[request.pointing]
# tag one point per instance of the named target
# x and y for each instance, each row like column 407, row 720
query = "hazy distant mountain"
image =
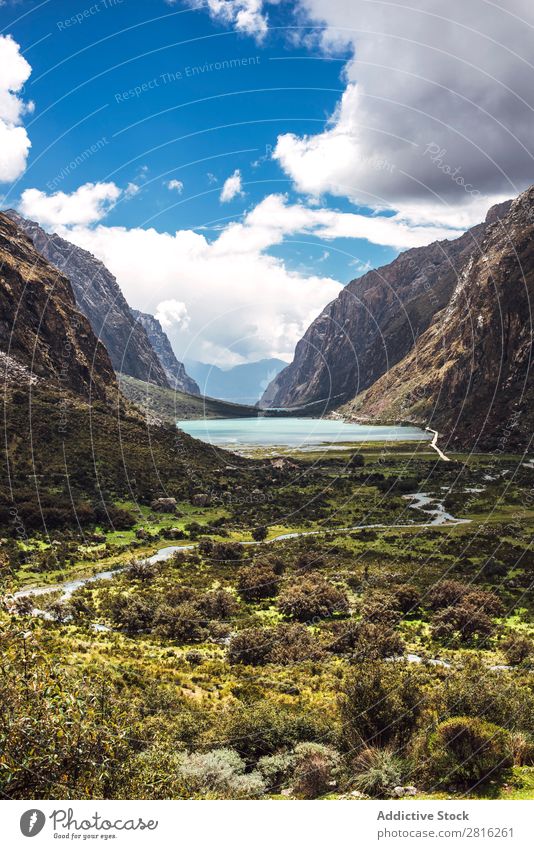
column 243, row 384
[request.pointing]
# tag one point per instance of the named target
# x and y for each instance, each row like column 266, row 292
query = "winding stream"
column 420, row 501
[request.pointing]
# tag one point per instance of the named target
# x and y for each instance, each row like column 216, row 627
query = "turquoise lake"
column 294, row 432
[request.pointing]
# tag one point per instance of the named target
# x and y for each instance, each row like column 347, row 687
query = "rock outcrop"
column 100, row 299
column 41, row 327
column 175, row 372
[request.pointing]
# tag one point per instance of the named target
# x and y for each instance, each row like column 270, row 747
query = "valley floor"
column 334, row 632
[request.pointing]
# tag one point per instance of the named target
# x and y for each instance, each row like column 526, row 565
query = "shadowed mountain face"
column 243, row 384
column 373, row 323
column 441, row 336
column 43, row 335
column 174, row 370
column 73, row 446
column 470, row 373
column 99, row 297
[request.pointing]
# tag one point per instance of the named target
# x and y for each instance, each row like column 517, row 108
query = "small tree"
column 259, row 533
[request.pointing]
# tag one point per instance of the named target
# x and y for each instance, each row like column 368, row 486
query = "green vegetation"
column 393, row 659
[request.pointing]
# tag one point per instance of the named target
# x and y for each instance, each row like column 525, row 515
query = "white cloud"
column 173, row 315
column 175, row 186
column 87, row 205
column 232, row 187
column 131, row 190
column 248, row 16
column 437, row 117
column 14, row 141
column 227, row 300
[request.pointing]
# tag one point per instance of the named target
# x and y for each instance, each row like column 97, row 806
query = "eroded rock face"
column 470, row 374
column 374, row 323
column 41, row 326
column 100, row 299
column 174, row 370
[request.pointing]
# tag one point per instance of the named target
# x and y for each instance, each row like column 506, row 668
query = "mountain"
column 43, row 335
column 74, row 450
column 100, row 299
column 242, row 384
column 442, row 336
column 372, row 324
column 470, row 373
column 174, row 370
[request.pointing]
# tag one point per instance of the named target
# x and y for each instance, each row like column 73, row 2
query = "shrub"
column 218, row 604
column 518, row 649
column 407, row 598
column 377, row 771
column 316, row 768
column 263, row 728
column 282, row 645
column 381, row 702
column 381, row 610
column 257, row 582
column 312, row 598
column 365, row 640
column 251, row 646
column 463, row 622
column 220, row 773
column 259, row 533
column 465, row 749
column 183, row 623
column 451, row 593
column 276, row 769
column 227, row 551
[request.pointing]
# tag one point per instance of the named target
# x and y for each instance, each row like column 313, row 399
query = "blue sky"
column 138, row 113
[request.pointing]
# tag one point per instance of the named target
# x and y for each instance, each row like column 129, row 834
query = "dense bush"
column 463, row 621
column 464, row 750
column 283, row 644
column 220, row 774
column 257, row 582
column 365, row 640
column 518, row 649
column 381, row 702
column 312, row 597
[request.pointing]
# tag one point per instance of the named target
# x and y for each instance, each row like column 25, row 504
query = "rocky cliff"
column 374, row 323
column 470, row 374
column 43, row 335
column 100, row 299
column 175, row 372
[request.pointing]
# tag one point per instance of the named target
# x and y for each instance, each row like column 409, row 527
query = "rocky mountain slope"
column 442, row 337
column 73, row 448
column 175, row 372
column 41, row 329
column 470, row 374
column 100, row 299
column 373, row 323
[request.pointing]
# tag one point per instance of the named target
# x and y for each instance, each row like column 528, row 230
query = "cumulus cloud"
column 437, row 117
column 175, row 186
column 226, row 300
column 14, row 141
column 247, row 16
column 87, row 205
column 232, row 187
